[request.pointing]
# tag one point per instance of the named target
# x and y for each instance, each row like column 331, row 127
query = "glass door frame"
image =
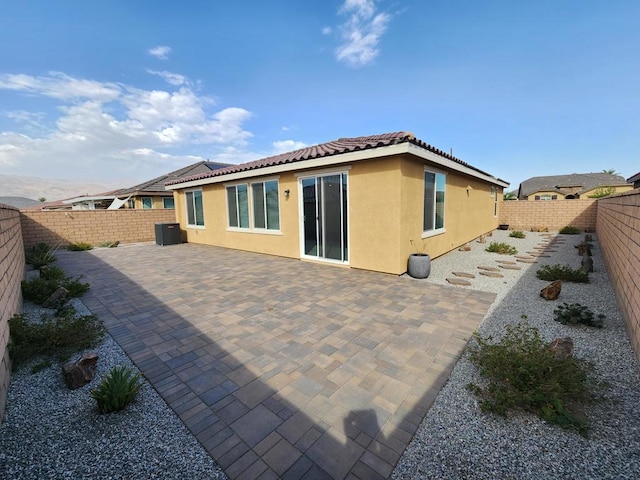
column 345, row 214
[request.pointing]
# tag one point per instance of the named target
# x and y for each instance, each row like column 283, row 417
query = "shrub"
column 517, row 234
column 54, row 336
column 79, row 247
column 501, row 248
column 52, row 272
column 568, row 230
column 38, row 290
column 105, row 244
column 574, row 313
column 117, row 389
column 562, row 272
column 40, row 255
column 603, row 192
column 523, row 373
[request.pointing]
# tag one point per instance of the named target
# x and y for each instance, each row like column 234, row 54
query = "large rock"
column 587, row 264
column 551, row 291
column 562, row 347
column 56, row 298
column 78, row 374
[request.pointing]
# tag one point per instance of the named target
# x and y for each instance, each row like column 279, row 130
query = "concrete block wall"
column 11, row 274
column 552, row 214
column 92, row 226
column 618, row 231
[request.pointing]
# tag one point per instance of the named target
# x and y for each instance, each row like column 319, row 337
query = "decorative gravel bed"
column 50, row 431
column 458, row 441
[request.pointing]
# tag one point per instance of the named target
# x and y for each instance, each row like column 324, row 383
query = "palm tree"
column 610, row 171
column 509, row 196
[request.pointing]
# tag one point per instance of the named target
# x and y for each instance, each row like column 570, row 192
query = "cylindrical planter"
column 503, row 226
column 419, row 265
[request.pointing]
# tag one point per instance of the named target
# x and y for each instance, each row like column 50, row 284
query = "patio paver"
column 282, row 368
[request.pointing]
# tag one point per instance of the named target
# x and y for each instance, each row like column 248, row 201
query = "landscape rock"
column 551, row 291
column 562, row 347
column 587, row 264
column 78, row 374
column 56, row 298
column 465, row 248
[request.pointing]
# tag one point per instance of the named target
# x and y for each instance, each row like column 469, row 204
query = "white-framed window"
column 167, row 202
column 195, row 209
column 147, row 203
column 434, row 202
column 492, row 192
column 266, row 208
column 262, row 197
column 546, row 197
column 131, row 203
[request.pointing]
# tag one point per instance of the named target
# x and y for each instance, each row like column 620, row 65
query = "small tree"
column 610, row 171
column 509, row 196
column 42, row 199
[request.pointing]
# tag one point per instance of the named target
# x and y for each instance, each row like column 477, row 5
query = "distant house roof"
column 635, row 179
column 19, row 202
column 330, row 149
column 155, row 186
column 579, row 182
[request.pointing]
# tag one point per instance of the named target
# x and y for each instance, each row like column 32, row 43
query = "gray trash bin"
column 167, row 233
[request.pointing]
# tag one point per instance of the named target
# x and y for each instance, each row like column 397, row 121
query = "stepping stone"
column 505, row 262
column 489, row 269
column 492, row 274
column 527, row 260
column 464, row 274
column 511, row 267
column 459, row 281
column 522, row 257
column 544, row 256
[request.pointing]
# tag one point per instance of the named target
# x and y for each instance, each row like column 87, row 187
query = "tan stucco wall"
column 156, row 200
column 385, row 202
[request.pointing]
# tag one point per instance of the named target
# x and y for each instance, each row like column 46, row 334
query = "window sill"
column 433, row 233
column 254, row 231
column 196, row 227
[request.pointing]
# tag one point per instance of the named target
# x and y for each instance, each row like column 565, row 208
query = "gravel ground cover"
column 50, row 431
column 458, row 441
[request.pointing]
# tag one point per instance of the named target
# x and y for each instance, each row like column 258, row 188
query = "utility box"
column 167, row 233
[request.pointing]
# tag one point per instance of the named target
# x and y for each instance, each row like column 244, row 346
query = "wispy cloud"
column 361, row 32
column 102, row 125
column 282, row 146
column 169, row 77
column 161, row 52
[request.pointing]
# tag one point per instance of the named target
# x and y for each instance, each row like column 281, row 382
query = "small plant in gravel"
column 501, row 248
column 40, row 255
column 562, row 272
column 517, row 234
column 568, row 230
column 80, row 247
column 574, row 313
column 56, row 336
column 38, row 290
column 523, row 373
column 117, row 389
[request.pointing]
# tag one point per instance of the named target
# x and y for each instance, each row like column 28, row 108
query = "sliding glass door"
column 324, row 228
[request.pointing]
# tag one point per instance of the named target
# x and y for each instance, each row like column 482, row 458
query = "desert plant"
column 53, row 336
column 501, row 248
column 569, row 230
column 40, row 255
column 79, row 247
column 603, row 192
column 52, row 272
column 39, row 289
column 517, row 234
column 574, row 313
column 523, row 373
column 562, row 272
column 117, row 389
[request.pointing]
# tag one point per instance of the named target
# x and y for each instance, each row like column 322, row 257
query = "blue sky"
column 125, row 91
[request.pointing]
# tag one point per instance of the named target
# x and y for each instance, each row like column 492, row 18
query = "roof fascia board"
column 321, row 162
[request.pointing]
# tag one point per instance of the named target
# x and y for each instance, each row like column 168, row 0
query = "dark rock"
column 587, row 264
column 551, row 291
column 115, row 244
column 56, row 298
column 79, row 373
column 562, row 347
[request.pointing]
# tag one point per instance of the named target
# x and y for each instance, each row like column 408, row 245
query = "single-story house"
column 358, row 202
column 573, row 186
column 152, row 194
column 634, row 180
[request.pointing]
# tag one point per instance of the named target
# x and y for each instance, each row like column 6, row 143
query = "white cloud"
column 161, row 52
column 327, row 30
column 282, row 146
column 361, row 32
column 116, row 129
column 169, row 77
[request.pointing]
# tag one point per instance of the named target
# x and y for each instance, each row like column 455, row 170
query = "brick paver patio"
column 282, row 368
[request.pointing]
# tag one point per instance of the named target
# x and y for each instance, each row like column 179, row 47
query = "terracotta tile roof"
column 580, row 182
column 335, row 147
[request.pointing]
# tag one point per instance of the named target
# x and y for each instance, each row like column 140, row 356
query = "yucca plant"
column 40, row 255
column 117, row 389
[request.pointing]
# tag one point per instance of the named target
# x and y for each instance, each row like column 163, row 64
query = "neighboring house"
column 575, row 185
column 19, row 202
column 152, row 194
column 354, row 201
column 635, row 180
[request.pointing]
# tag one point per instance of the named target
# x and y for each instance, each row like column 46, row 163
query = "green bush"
column 574, row 313
column 40, row 255
column 54, row 336
column 517, row 234
column 501, row 248
column 80, row 247
column 568, row 230
column 117, row 389
column 52, row 272
column 38, row 290
column 523, row 373
column 562, row 272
